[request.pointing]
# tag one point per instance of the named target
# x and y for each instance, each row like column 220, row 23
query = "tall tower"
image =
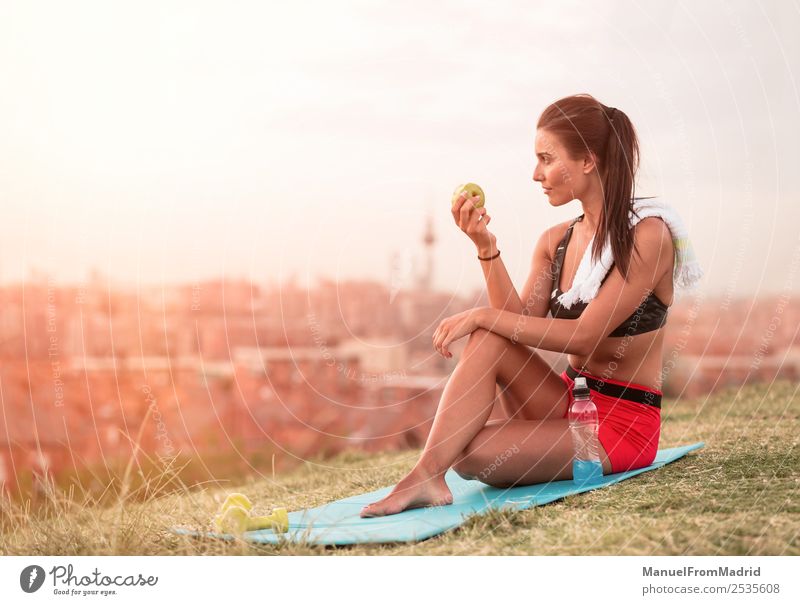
column 428, row 240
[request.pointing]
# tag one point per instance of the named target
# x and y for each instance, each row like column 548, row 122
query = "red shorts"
column 628, row 430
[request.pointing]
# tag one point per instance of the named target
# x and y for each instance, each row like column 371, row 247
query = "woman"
column 588, row 152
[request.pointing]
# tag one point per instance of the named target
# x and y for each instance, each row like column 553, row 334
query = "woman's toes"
column 374, row 512
column 410, row 493
column 370, row 510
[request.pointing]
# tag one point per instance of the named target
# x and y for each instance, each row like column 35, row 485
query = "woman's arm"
column 535, row 292
column 501, row 291
column 562, row 335
column 614, row 303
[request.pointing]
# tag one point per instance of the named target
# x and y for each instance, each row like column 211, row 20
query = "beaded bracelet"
column 490, row 257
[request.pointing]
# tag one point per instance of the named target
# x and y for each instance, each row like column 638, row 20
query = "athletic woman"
column 587, row 154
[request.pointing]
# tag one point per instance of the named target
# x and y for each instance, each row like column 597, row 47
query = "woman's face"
column 562, row 178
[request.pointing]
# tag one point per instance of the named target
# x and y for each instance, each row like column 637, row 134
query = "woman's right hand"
column 474, row 221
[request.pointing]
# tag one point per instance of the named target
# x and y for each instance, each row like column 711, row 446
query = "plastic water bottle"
column 583, row 423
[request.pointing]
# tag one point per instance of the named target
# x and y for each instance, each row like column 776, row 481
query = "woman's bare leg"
column 463, row 411
column 521, row 452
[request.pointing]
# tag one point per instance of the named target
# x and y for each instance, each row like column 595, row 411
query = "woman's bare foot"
column 415, row 490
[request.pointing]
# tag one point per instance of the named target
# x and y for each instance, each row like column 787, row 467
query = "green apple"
column 471, row 189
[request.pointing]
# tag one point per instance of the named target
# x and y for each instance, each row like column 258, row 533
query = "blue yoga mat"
column 338, row 522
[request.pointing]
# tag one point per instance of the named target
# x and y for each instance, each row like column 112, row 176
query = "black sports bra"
column 648, row 316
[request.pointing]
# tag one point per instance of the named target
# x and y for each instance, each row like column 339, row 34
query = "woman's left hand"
column 455, row 327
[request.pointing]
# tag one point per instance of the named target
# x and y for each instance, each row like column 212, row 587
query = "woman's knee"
column 486, row 339
column 463, row 472
column 471, row 463
column 471, row 467
column 465, row 468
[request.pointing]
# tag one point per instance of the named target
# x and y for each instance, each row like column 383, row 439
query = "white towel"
column 687, row 271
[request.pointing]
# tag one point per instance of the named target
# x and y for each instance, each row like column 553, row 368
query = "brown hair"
column 583, row 125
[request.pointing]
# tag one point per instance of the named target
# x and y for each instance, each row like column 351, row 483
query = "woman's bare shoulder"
column 653, row 240
column 654, row 233
column 557, row 231
column 552, row 235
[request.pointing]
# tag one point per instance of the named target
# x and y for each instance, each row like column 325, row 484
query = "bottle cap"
column 580, row 389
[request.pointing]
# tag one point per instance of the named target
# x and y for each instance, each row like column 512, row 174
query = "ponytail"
column 617, row 174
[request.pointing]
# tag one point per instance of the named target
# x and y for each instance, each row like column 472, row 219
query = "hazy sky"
column 184, row 140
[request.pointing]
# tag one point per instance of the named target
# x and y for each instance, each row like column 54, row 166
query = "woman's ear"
column 589, row 162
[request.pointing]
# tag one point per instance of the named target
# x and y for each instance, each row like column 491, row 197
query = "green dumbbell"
column 236, row 520
column 236, row 499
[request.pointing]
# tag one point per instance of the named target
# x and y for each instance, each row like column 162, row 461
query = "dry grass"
column 736, row 496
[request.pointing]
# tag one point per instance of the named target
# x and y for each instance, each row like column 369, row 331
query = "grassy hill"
column 736, row 496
